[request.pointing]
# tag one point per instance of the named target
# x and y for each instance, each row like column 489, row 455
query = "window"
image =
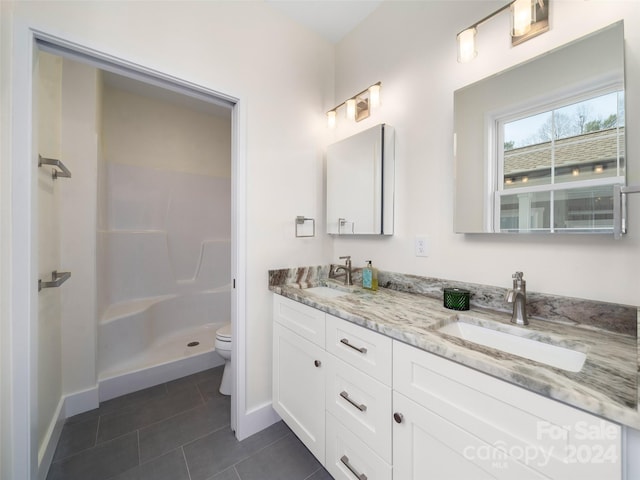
column 557, row 166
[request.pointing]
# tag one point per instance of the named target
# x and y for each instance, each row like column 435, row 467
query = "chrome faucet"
column 518, row 296
column 346, row 268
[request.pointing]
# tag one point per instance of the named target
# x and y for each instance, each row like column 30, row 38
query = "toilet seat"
column 224, row 333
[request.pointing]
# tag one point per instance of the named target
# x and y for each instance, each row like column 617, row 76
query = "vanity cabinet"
column 371, row 407
column 455, row 422
column 341, row 407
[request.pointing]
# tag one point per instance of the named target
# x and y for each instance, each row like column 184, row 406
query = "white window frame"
column 494, row 127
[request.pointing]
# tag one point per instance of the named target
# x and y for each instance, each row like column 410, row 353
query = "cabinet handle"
column 362, row 407
column 359, row 476
column 398, row 417
column 358, row 349
column 317, row 363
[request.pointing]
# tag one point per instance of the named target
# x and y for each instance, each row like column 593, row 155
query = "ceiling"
column 332, row 19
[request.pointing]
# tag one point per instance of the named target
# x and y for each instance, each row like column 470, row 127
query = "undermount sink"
column 552, row 355
column 326, row 292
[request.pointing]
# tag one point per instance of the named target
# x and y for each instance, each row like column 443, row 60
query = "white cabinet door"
column 427, row 446
column 298, row 387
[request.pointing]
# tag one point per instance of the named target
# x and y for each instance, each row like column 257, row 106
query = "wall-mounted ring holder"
column 301, row 221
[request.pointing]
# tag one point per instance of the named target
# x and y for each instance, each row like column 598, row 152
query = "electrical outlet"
column 422, row 246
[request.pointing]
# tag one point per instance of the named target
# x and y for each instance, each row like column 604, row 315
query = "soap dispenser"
column 370, row 277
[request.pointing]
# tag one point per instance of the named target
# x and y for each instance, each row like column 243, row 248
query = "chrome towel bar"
column 57, row 279
column 64, row 171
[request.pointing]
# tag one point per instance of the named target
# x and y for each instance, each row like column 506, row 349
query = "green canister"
column 456, row 298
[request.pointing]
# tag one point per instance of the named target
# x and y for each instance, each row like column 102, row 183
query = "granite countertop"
column 607, row 384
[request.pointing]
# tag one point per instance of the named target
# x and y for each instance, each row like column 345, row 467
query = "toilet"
column 223, row 347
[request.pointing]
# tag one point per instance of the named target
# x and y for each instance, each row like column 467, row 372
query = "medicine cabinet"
column 360, row 183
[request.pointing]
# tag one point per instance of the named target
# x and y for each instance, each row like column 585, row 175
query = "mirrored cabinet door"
column 360, row 183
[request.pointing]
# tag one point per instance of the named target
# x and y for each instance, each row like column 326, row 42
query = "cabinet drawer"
column 360, row 403
column 348, row 458
column 568, row 443
column 306, row 321
column 364, row 349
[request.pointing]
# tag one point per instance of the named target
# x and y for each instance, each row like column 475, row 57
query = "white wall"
column 411, row 48
column 283, row 76
column 78, row 217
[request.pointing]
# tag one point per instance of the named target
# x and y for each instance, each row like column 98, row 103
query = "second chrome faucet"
column 346, row 269
column 518, row 296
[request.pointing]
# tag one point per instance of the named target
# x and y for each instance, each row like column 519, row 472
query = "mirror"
column 360, row 183
column 539, row 147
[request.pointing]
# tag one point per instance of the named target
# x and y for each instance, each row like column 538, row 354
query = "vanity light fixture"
column 528, row 19
column 357, row 107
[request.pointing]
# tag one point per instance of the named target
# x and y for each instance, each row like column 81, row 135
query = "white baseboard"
column 255, row 420
column 50, row 442
column 80, row 402
column 130, row 382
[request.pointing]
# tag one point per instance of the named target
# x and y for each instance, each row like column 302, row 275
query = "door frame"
column 19, row 357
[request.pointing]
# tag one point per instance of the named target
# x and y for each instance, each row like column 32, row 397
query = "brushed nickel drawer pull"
column 358, row 349
column 362, row 407
column 359, row 476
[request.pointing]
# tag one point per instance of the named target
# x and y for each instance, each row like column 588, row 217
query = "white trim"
column 148, row 377
column 21, row 453
column 238, row 267
column 257, row 419
column 20, row 461
column 80, row 402
column 50, row 442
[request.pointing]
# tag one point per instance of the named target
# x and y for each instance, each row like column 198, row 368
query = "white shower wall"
column 166, row 223
column 168, row 232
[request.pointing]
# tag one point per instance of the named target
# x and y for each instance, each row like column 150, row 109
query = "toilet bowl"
column 223, row 347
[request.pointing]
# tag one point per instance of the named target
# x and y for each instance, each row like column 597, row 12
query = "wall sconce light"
column 528, row 19
column 357, row 107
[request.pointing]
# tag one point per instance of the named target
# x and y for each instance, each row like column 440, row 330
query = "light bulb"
column 467, row 45
column 351, row 108
column 374, row 96
column 331, row 119
column 521, row 17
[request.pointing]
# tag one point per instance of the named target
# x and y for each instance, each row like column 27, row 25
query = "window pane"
column 590, row 156
column 527, row 131
column 584, row 209
column 525, row 212
column 527, row 166
column 592, row 115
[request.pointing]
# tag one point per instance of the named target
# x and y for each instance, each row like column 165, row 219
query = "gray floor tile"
column 228, row 474
column 218, row 451
column 286, row 459
column 209, row 375
column 116, row 423
column 170, row 466
column 266, row 437
column 183, row 428
column 75, row 437
column 213, row 454
column 321, row 474
column 133, row 400
column 99, row 463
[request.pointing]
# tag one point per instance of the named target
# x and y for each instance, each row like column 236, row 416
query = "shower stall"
column 163, row 237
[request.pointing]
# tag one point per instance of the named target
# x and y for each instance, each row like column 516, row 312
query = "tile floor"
column 176, row 431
